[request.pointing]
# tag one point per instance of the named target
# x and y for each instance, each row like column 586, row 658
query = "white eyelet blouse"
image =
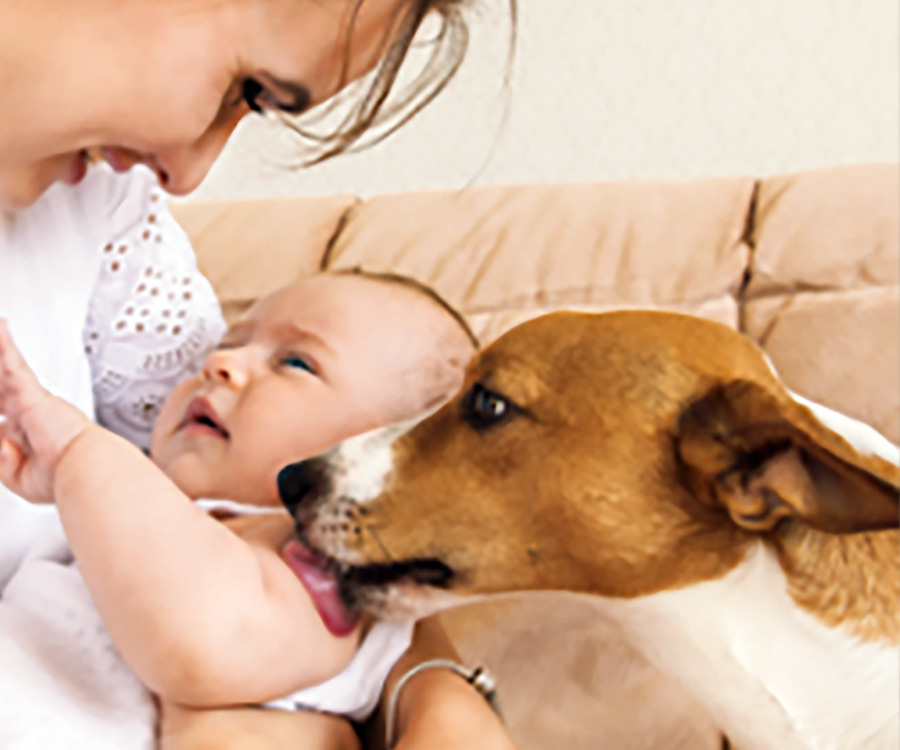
column 103, row 296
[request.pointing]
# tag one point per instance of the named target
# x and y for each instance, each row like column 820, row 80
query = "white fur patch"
column 771, row 674
column 865, row 439
column 358, row 469
column 359, row 466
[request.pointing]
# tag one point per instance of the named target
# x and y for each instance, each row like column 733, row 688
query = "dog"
column 745, row 540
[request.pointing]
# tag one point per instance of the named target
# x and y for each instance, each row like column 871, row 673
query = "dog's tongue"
column 322, row 585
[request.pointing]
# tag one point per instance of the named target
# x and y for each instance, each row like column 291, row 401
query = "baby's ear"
column 437, row 377
column 765, row 457
column 432, row 385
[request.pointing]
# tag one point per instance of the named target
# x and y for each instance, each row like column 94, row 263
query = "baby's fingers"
column 10, row 430
column 11, row 460
column 16, row 377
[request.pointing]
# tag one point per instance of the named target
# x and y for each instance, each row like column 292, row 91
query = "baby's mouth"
column 200, row 415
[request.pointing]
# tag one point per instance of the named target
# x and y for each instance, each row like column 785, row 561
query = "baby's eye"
column 299, row 362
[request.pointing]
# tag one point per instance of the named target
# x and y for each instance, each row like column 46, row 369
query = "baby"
column 206, row 615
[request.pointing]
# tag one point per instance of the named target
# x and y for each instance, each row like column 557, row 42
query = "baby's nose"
column 225, row 366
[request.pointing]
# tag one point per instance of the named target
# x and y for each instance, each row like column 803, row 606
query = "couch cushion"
column 829, row 229
column 251, row 247
column 834, row 348
column 823, row 298
column 567, row 680
column 503, row 254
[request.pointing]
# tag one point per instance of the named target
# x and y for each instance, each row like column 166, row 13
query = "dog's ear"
column 765, row 457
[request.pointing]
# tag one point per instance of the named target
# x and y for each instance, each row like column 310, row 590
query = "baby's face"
column 314, row 363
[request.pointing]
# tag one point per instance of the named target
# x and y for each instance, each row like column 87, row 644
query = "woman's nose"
column 227, row 367
column 182, row 169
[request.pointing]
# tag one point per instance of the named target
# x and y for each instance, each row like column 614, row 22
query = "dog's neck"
column 770, row 673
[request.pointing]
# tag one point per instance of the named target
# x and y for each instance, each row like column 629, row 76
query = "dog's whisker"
column 377, row 539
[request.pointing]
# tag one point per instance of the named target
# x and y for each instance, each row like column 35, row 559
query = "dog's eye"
column 483, row 408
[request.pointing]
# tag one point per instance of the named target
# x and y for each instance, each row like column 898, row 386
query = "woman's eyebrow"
column 300, row 96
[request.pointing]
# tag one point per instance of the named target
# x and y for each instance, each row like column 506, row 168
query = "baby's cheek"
column 179, row 473
column 171, row 412
column 305, row 435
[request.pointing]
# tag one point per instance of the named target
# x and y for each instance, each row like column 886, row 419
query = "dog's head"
column 615, row 454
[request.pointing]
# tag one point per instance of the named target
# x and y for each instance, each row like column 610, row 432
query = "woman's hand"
column 246, row 727
column 437, row 709
column 37, row 426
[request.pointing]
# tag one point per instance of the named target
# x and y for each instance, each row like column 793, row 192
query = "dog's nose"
column 304, row 480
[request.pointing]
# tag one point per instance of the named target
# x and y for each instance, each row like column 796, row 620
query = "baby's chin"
column 189, row 477
column 196, row 488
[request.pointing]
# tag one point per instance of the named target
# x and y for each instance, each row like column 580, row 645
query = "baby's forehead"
column 356, row 298
column 337, row 307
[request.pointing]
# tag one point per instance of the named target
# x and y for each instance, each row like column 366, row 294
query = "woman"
column 165, row 82
column 154, row 88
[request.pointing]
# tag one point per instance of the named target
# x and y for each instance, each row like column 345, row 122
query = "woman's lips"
column 76, row 168
column 120, row 161
column 76, row 165
column 321, row 583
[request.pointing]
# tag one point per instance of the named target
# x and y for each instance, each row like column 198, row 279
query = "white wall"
column 627, row 89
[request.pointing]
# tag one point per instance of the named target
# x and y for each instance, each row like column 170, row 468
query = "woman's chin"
column 17, row 195
column 22, row 185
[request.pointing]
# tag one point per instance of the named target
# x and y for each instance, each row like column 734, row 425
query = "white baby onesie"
column 355, row 692
column 63, row 683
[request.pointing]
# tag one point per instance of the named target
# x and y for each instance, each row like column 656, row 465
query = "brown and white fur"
column 744, row 539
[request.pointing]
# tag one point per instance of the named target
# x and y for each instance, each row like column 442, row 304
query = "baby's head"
column 316, row 362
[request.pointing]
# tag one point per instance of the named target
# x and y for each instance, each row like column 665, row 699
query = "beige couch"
column 807, row 264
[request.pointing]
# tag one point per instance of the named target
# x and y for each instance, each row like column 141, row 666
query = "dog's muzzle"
column 329, row 497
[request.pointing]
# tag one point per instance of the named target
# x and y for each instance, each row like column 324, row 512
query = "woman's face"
column 165, row 82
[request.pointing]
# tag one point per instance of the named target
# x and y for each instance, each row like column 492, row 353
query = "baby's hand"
column 38, row 426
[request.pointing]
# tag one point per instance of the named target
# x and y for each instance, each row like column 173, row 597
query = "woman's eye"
column 300, row 363
column 251, row 89
column 262, row 100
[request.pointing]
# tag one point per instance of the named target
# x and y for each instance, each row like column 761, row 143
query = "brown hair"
column 371, row 113
column 415, row 285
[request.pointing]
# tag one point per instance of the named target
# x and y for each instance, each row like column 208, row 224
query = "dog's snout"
column 304, row 480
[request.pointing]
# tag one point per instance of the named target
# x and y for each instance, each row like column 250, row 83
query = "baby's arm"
column 203, row 617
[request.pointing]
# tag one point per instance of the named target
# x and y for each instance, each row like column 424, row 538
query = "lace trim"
column 152, row 319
